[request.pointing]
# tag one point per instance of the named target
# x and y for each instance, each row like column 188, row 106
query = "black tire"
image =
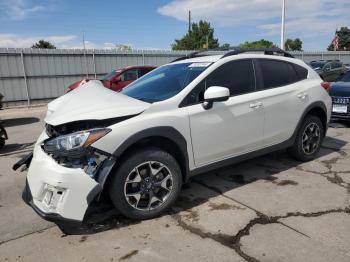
column 298, row 151
column 138, row 159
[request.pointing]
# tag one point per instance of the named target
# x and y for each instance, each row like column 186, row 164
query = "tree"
column 293, row 44
column 200, row 35
column 344, row 40
column 225, row 46
column 44, row 45
column 257, row 44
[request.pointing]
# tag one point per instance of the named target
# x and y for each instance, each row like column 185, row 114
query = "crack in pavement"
column 27, row 234
column 234, row 242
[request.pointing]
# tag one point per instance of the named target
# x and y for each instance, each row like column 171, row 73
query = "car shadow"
column 238, row 175
column 10, row 149
column 19, row 121
column 339, row 124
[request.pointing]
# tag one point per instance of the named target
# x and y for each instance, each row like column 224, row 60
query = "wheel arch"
column 318, row 109
column 165, row 137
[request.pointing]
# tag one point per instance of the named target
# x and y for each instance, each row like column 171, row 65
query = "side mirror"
column 215, row 94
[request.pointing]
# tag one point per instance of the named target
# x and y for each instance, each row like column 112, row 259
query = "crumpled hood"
column 340, row 89
column 92, row 101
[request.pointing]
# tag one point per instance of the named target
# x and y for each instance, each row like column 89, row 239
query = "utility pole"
column 189, row 21
column 282, row 23
column 85, row 59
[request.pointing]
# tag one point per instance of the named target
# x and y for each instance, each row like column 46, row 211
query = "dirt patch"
column 223, row 206
column 191, row 215
column 286, row 183
column 83, row 239
column 129, row 255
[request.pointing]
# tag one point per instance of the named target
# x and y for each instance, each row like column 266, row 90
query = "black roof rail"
column 266, row 51
column 199, row 53
column 235, row 51
column 190, row 55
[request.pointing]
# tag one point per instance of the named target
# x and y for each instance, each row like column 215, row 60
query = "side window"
column 144, row 71
column 301, row 72
column 237, row 76
column 129, row 75
column 327, row 67
column 277, row 73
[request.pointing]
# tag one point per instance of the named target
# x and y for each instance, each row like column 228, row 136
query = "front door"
column 229, row 128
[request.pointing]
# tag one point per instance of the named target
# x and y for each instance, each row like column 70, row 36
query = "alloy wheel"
column 311, row 138
column 148, row 186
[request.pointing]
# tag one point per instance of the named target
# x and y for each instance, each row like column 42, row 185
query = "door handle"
column 302, row 96
column 253, row 105
column 259, row 104
column 256, row 105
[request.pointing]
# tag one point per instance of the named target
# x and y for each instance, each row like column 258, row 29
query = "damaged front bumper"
column 57, row 193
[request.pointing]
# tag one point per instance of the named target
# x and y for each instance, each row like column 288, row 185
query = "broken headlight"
column 74, row 151
column 75, row 141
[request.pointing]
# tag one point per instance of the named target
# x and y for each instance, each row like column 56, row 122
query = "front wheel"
column 309, row 139
column 146, row 184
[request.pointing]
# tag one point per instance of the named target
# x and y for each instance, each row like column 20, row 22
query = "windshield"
column 346, row 77
column 110, row 75
column 164, row 82
column 317, row 64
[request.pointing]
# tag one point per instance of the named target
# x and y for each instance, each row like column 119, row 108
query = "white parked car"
column 138, row 147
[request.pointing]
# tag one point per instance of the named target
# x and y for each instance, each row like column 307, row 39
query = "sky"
column 154, row 24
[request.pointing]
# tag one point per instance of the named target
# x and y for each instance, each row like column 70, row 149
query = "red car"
column 118, row 79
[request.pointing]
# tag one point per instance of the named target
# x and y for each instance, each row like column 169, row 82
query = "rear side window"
column 277, row 73
column 301, row 72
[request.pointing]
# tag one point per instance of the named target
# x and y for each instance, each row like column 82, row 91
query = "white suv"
column 138, row 147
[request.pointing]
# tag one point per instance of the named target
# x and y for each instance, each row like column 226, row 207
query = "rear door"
column 283, row 95
column 229, row 128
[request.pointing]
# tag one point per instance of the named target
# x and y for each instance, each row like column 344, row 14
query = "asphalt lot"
column 268, row 209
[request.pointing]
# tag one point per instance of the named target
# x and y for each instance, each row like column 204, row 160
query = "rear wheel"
column 146, row 184
column 309, row 139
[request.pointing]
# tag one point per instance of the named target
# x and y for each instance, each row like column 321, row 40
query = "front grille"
column 341, row 101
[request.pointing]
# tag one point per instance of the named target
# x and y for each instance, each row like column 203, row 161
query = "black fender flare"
column 162, row 131
column 317, row 104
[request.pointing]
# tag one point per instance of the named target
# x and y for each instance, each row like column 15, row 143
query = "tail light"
column 326, row 85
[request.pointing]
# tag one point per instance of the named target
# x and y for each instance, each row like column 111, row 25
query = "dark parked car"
column 118, row 79
column 329, row 70
column 340, row 93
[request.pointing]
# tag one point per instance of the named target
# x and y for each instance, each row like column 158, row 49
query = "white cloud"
column 60, row 41
column 15, row 41
column 20, row 9
column 304, row 18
